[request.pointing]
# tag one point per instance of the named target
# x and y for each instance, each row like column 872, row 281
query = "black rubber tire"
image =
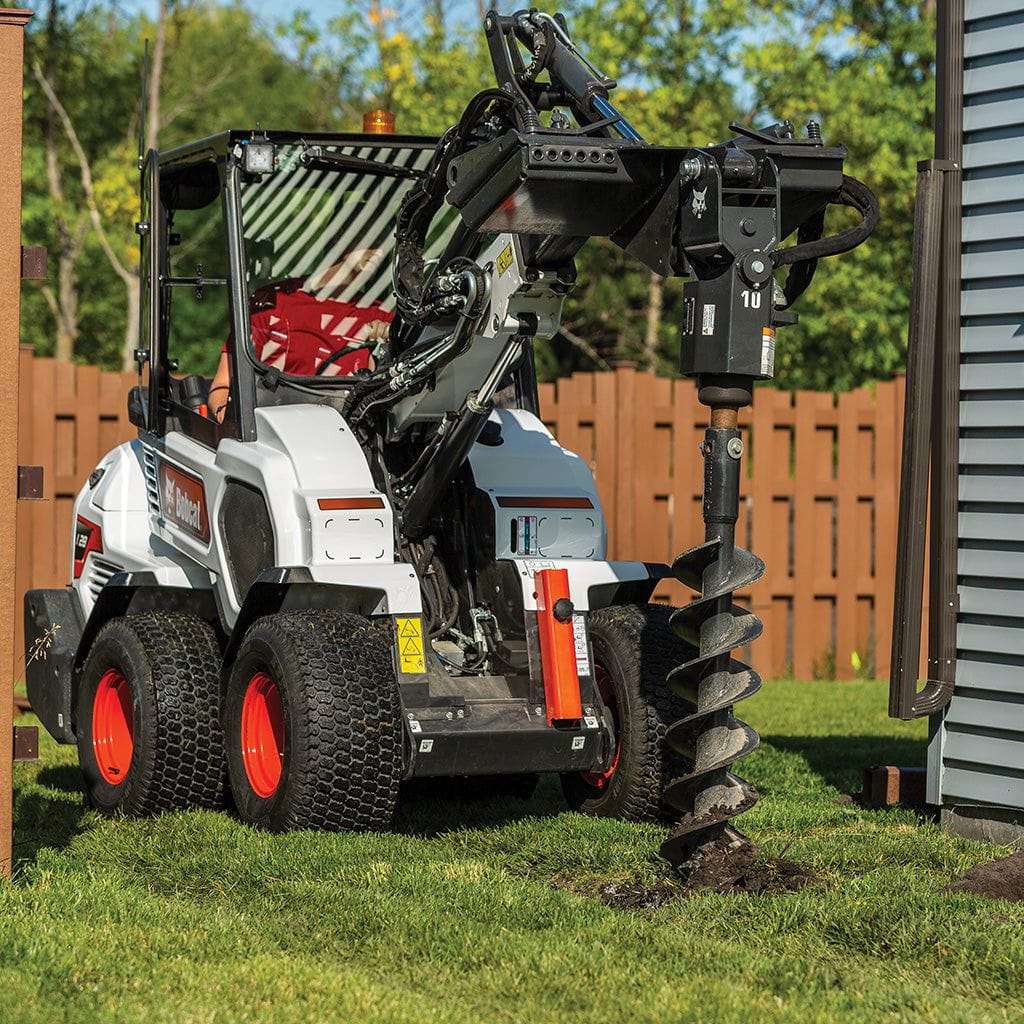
column 637, row 648
column 343, row 751
column 171, row 662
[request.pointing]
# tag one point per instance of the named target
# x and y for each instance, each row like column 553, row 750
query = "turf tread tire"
column 638, row 647
column 344, row 738
column 172, row 664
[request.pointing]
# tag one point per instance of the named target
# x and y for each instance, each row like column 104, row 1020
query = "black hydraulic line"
column 801, row 273
column 319, row 161
column 852, row 193
column 711, row 680
column 425, row 199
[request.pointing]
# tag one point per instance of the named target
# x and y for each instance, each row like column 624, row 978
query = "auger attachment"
column 711, row 680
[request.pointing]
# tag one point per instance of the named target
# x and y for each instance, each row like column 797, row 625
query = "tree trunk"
column 132, row 279
column 655, row 304
column 133, row 287
column 378, row 16
column 156, row 75
column 65, row 299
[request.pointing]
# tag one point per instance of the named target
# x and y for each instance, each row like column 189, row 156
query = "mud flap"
column 53, row 632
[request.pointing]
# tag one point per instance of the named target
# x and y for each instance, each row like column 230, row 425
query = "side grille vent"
column 100, row 572
column 149, row 469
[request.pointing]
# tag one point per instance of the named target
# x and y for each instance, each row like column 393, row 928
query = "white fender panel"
column 303, row 453
column 583, row 575
column 397, row 581
column 531, row 463
column 118, row 506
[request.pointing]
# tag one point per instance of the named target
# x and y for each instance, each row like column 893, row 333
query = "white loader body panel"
column 159, row 510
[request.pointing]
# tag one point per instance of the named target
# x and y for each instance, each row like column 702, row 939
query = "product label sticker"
column 767, row 351
column 579, row 635
column 709, row 319
column 409, row 637
column 524, row 535
column 535, row 565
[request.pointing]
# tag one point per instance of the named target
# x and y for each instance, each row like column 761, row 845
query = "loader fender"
column 129, row 593
column 371, row 590
column 57, row 642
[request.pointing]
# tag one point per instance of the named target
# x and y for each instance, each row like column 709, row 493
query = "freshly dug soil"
column 728, row 868
column 629, row 896
column 723, row 868
column 1003, row 879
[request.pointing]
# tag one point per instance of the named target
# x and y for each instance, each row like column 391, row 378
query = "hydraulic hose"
column 852, row 193
column 424, row 200
column 810, row 246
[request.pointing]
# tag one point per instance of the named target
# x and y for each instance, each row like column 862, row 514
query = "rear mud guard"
column 53, row 633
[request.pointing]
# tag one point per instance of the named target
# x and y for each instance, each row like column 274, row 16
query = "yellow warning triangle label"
column 410, row 645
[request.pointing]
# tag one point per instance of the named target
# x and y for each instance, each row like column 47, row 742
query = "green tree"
column 685, row 68
column 865, row 71
column 214, row 67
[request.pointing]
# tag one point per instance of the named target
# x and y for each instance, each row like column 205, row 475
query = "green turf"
column 485, row 912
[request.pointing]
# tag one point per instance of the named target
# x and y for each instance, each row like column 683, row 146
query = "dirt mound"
column 723, row 868
column 728, row 867
column 1002, row 879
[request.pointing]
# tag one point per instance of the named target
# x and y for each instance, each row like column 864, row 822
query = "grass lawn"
column 490, row 912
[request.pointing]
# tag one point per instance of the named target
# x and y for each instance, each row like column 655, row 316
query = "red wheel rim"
column 605, row 686
column 262, row 734
column 113, row 727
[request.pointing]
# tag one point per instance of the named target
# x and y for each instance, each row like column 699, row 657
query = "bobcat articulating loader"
column 356, row 555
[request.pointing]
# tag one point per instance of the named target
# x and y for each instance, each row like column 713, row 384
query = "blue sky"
column 322, row 10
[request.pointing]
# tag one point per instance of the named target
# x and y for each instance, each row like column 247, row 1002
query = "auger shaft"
column 711, row 681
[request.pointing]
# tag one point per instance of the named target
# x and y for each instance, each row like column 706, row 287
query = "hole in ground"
column 724, row 869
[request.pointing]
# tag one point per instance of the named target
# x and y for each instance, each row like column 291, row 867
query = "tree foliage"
column 686, row 69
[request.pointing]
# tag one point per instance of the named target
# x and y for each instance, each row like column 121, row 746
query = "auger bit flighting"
column 711, row 681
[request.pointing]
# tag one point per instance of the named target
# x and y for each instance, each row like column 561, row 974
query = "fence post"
column 12, row 42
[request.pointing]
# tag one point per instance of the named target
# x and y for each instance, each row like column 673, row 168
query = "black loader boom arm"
column 716, row 215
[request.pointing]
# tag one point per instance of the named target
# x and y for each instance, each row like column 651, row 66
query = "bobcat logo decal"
column 700, row 202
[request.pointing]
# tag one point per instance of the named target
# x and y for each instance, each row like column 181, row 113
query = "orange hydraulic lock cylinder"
column 557, row 646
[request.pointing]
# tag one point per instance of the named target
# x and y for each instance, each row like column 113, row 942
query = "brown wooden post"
column 12, row 41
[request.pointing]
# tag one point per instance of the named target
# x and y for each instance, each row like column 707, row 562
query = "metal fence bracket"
column 26, row 743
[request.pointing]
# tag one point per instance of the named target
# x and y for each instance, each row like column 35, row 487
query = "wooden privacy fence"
column 69, row 416
column 819, row 494
column 819, row 500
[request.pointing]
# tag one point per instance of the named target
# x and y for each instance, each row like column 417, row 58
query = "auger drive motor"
column 354, row 555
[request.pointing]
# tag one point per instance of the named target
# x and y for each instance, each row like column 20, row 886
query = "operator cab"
column 267, row 274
